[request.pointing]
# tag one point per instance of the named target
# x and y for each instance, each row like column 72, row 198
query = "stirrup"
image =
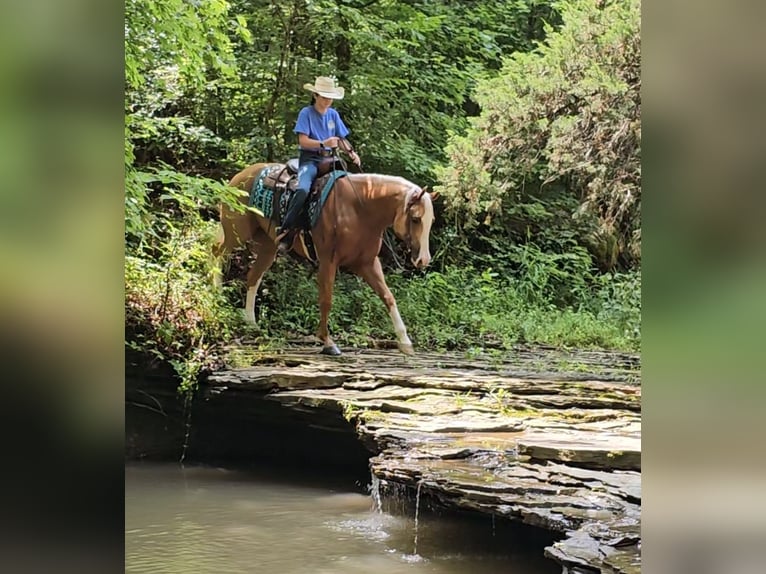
column 281, row 234
column 285, row 240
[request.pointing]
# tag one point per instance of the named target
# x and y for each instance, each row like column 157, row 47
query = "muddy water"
column 199, row 520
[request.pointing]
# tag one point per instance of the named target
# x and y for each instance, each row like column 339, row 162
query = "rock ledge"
column 546, row 437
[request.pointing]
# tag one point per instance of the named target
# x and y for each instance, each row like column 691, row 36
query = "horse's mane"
column 385, row 177
column 404, row 184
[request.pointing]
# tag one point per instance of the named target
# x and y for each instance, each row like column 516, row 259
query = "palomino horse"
column 348, row 234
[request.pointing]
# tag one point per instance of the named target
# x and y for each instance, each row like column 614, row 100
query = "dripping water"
column 375, row 493
column 417, row 513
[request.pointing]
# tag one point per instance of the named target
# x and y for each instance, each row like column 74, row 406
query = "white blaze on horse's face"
column 420, row 219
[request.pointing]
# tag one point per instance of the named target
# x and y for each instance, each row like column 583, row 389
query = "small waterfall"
column 375, row 493
column 417, row 513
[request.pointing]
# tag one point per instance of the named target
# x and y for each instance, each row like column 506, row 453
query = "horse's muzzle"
column 422, row 262
column 419, row 260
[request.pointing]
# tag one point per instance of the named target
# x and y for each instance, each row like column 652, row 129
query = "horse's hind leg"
column 264, row 251
column 373, row 275
column 326, row 277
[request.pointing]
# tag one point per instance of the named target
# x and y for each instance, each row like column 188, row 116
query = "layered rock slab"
column 549, row 438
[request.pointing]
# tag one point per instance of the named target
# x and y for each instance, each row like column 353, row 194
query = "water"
column 417, row 514
column 199, row 520
column 377, row 503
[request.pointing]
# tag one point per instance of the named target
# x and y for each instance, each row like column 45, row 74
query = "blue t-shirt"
column 318, row 126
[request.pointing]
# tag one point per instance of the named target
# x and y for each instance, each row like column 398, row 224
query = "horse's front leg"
column 326, row 277
column 373, row 275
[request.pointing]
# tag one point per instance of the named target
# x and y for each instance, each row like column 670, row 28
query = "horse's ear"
column 434, row 195
column 421, row 194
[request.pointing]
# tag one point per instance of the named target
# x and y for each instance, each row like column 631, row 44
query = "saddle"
column 272, row 190
column 286, row 179
column 282, row 180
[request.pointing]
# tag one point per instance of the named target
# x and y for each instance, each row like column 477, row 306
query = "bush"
column 557, row 148
column 458, row 308
column 172, row 312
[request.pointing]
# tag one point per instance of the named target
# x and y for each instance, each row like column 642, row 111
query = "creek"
column 206, row 519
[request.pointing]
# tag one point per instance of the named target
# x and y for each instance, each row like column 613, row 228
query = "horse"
column 348, row 234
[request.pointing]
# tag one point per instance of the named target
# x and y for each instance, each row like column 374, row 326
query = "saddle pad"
column 317, row 201
column 261, row 196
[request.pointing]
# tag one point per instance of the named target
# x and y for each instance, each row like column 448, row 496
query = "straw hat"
column 326, row 88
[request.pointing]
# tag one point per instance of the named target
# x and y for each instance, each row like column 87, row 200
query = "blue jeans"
column 306, row 174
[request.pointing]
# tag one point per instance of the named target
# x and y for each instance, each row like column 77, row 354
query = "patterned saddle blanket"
column 274, row 187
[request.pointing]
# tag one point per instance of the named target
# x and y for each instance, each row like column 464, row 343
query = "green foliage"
column 558, row 139
column 459, row 308
column 188, row 37
column 172, row 313
column 409, row 69
column 617, row 301
column 289, row 298
column 175, row 51
column 163, row 198
column 539, row 187
column 172, row 49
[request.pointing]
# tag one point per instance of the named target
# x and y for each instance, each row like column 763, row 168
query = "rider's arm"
column 308, row 143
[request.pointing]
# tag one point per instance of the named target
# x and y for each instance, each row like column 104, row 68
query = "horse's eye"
column 415, row 220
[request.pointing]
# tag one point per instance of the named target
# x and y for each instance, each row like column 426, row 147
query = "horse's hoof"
column 407, row 349
column 330, row 350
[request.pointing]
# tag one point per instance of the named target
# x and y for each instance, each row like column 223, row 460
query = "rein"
column 407, row 238
column 414, row 197
column 347, row 148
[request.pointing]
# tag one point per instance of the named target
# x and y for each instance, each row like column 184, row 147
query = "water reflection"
column 208, row 520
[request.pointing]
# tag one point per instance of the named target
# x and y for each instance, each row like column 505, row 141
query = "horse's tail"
column 218, row 253
column 218, row 246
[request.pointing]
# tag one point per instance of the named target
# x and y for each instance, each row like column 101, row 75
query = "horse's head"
column 413, row 225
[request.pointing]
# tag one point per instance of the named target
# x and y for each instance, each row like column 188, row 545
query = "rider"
column 320, row 130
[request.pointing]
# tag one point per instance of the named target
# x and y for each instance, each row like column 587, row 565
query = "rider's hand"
column 355, row 158
column 331, row 142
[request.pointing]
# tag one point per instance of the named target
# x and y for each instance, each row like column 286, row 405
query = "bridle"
column 412, row 200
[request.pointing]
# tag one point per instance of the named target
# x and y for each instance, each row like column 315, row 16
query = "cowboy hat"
column 326, row 88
